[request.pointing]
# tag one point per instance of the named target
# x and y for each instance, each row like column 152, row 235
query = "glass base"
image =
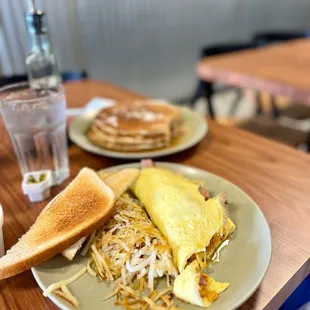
column 60, row 176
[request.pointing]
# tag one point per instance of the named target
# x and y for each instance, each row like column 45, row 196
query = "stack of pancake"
column 135, row 126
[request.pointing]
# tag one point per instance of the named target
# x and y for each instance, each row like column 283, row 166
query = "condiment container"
column 37, row 184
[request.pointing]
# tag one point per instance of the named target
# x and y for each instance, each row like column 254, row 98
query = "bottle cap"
column 36, row 22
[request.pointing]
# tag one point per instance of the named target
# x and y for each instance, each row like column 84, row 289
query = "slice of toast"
column 73, row 249
column 85, row 205
column 119, row 182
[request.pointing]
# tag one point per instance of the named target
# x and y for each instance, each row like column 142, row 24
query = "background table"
column 281, row 69
column 275, row 176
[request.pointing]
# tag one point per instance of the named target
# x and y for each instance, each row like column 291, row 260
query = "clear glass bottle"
column 41, row 62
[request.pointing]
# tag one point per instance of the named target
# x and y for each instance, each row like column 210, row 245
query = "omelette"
column 194, row 227
column 196, row 287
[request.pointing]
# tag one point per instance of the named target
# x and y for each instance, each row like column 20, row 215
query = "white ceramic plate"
column 195, row 128
column 243, row 263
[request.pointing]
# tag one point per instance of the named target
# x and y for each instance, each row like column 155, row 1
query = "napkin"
column 94, row 104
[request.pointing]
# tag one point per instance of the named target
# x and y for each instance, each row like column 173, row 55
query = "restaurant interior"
column 203, row 95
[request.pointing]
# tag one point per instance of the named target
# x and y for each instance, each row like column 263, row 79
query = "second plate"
column 195, row 128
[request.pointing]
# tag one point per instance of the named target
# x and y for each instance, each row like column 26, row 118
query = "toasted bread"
column 85, row 205
column 119, row 182
column 73, row 249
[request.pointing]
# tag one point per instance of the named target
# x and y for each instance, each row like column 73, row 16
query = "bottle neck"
column 37, row 29
column 39, row 43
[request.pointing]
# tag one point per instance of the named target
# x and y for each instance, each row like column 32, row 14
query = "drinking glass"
column 36, row 123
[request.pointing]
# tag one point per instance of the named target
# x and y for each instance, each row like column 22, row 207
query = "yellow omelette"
column 191, row 225
column 196, row 287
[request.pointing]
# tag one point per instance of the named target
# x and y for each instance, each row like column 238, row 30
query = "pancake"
column 128, row 139
column 107, row 129
column 134, row 126
column 115, row 145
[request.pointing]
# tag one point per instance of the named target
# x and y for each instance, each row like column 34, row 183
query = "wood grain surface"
column 275, row 176
column 281, row 69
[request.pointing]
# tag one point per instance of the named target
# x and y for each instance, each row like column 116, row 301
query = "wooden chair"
column 296, row 111
column 268, row 127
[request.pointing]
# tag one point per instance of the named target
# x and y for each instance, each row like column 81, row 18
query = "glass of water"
column 36, row 123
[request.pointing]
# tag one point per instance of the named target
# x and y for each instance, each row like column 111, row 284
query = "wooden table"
column 275, row 176
column 281, row 69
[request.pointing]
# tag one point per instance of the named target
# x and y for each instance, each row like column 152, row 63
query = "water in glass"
column 36, row 124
